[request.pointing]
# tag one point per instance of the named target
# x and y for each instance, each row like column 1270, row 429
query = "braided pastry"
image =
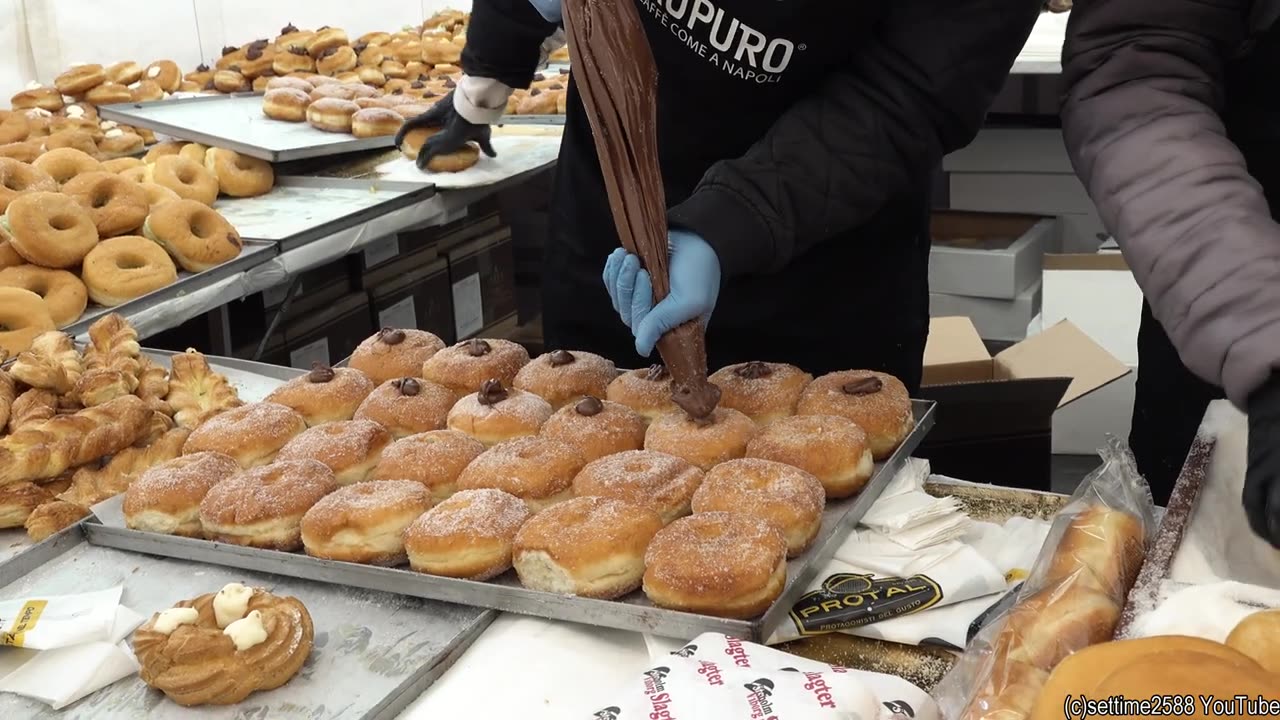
column 18, row 500
column 193, row 662
column 153, row 386
column 157, row 426
column 49, row 448
column 52, row 517
column 90, row 487
column 8, row 394
column 196, row 392
column 52, row 363
column 114, row 346
column 32, row 407
column 102, row 385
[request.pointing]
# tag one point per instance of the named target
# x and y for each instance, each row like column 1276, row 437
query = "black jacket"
column 783, row 124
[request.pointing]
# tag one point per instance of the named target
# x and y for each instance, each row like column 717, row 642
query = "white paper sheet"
column 516, row 154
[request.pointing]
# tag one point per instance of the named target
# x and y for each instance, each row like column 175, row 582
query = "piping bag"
column 618, row 79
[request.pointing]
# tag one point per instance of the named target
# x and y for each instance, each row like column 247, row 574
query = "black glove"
column 1262, row 481
column 457, row 132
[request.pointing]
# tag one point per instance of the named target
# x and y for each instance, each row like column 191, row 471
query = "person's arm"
column 918, row 89
column 1140, row 117
column 505, row 45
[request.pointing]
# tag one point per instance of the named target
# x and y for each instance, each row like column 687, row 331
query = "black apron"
column 1170, row 400
column 857, row 300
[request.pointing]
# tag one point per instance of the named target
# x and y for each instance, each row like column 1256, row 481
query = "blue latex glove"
column 695, row 285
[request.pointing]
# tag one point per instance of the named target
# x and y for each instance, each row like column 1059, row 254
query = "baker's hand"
column 457, row 131
column 1262, row 481
column 695, row 285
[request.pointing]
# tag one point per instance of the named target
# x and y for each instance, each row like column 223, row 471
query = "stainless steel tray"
column 236, row 122
column 531, row 120
column 301, row 210
column 634, row 612
column 374, row 652
column 254, row 253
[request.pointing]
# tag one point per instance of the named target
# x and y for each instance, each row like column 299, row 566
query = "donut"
column 49, row 229
column 287, row 104
column 331, row 114
column 190, row 180
column 164, row 149
column 470, row 535
column 118, row 143
column 259, row 58
column 408, row 406
column 146, row 91
column 374, row 38
column 116, row 206
column 394, row 353
column 166, row 498
column 252, row 434
column 157, row 194
column 164, row 73
column 121, row 164
column 325, row 40
column 408, row 52
column 43, row 98
column 410, row 110
column 647, row 391
column 457, row 161
column 109, row 93
column 230, row 57
column 291, row 38
column 292, row 60
column 762, row 391
column 375, row 122
column 201, row 76
column 82, row 140
column 8, row 256
column 496, row 414
column 597, row 427
column 538, row 470
column 1255, row 637
column 63, row 293
column 325, row 394
column 350, row 448
column 705, row 443
column 263, row 507
column 23, row 316
column 337, row 60
column 193, row 152
column 26, row 152
column 877, row 402
column 80, row 80
column 18, row 178
column 195, row 235
column 364, row 523
column 434, row 459
column 465, row 367
column 260, row 82
column 371, row 55
column 562, row 377
column 124, row 73
column 13, row 127
column 290, row 83
column 371, row 76
column 661, row 482
column 334, row 91
column 788, row 498
column 66, row 163
column 723, row 564
column 537, row 102
column 588, row 546
column 230, row 81
column 239, row 175
column 832, row 449
column 126, row 267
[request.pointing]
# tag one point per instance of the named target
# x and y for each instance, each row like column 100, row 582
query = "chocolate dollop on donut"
column 391, row 336
column 228, row 49
column 328, row 53
column 320, row 373
column 360, row 47
column 560, row 358
column 564, row 71
column 253, row 53
column 409, row 387
column 492, row 392
column 657, row 373
column 539, row 77
column 290, row 28
column 754, row 370
column 865, row 386
column 449, row 83
column 478, row 348
column 589, row 406
column 535, row 91
column 295, row 50
column 202, row 68
column 417, row 84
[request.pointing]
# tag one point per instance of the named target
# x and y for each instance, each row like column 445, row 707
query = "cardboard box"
column 482, row 278
column 330, row 334
column 987, row 255
column 1004, row 320
column 995, row 414
column 419, row 299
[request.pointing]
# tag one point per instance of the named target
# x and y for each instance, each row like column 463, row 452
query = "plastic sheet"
column 1071, row 600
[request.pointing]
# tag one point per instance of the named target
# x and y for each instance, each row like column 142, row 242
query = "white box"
column 1043, row 194
column 995, row 319
column 989, row 255
column 1082, row 427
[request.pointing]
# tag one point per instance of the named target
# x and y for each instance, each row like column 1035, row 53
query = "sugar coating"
column 776, row 393
column 480, row 513
column 528, row 467
column 338, row 445
column 763, row 489
column 714, row 552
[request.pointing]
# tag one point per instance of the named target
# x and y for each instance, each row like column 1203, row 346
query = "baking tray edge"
column 40, row 553
column 412, row 193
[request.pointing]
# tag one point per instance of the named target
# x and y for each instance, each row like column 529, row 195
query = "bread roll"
column 1258, row 636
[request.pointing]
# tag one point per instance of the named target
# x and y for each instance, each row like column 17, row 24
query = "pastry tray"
column 633, row 612
column 253, row 254
column 531, row 120
column 374, row 654
column 236, row 122
column 301, row 210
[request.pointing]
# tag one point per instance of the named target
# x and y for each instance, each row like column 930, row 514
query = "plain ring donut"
column 189, row 179
column 23, row 316
column 17, row 178
column 62, row 291
column 127, row 267
column 239, row 175
column 117, row 206
column 50, row 230
column 195, row 235
column 63, row 164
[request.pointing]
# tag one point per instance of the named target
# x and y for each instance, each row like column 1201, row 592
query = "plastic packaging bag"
column 1072, row 599
column 57, row 621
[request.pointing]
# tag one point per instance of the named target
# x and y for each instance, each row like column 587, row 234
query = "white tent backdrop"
column 41, row 38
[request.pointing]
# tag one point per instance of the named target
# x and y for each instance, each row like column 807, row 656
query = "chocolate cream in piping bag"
column 618, row 81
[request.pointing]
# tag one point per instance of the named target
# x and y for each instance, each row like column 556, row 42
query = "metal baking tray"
column 375, row 653
column 301, row 210
column 254, row 253
column 633, row 612
column 531, row 120
column 236, row 122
